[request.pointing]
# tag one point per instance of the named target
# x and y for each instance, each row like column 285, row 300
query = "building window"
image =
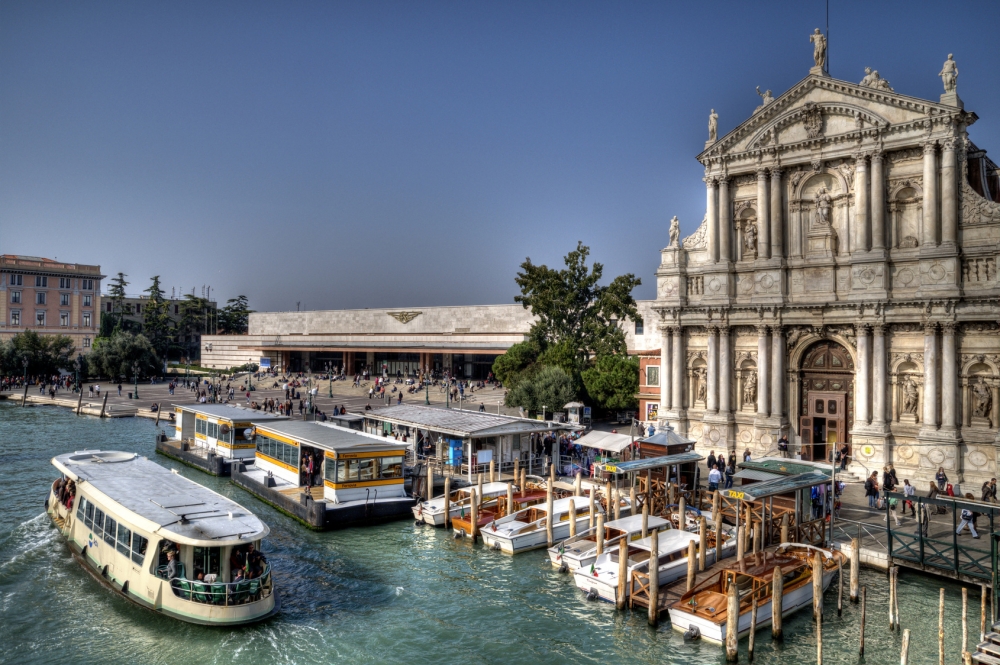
column 40, row 319
column 638, row 326
column 64, row 300
column 65, row 283
column 40, row 298
column 41, row 280
column 16, row 280
column 138, row 309
column 87, row 284
column 86, row 342
column 64, row 318
column 15, row 297
column 176, row 309
column 15, row 318
column 109, row 306
column 86, row 319
column 652, row 375
column 88, row 301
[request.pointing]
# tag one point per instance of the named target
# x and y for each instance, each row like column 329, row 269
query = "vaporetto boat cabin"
column 162, row 541
column 220, row 428
column 358, row 477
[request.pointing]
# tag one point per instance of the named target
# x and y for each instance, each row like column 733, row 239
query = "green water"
column 390, row 594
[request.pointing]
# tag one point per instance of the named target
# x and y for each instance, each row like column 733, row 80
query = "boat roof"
column 780, row 466
column 232, row 412
column 487, row 488
column 610, row 441
column 165, row 502
column 634, row 522
column 459, row 422
column 330, row 437
column 782, row 485
column 652, row 463
column 666, row 540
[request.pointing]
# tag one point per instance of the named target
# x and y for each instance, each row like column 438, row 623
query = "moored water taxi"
column 432, row 512
column 525, row 529
column 581, row 551
column 162, row 541
column 705, row 607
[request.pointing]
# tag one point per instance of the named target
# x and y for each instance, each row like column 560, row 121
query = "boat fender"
column 459, row 534
column 564, row 568
column 418, row 523
column 692, row 633
column 125, row 588
column 104, row 571
column 593, row 595
column 496, row 546
column 46, row 503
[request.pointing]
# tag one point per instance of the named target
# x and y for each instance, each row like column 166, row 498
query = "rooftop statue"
column 873, row 80
column 766, row 97
column 819, row 48
column 713, row 126
column 949, row 74
column 675, row 232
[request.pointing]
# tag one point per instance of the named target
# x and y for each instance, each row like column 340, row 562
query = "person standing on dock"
column 871, row 490
column 711, row 463
column 990, row 491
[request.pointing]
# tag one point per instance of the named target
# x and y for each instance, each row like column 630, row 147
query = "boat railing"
column 221, row 593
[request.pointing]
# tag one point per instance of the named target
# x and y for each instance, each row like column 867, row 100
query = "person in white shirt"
column 909, row 491
column 714, row 478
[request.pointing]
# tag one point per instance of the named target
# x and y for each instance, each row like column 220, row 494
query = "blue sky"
column 368, row 154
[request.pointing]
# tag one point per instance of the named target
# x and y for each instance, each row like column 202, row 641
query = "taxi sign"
column 610, row 468
column 733, row 494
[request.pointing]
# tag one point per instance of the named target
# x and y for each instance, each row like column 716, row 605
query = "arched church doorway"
column 826, row 377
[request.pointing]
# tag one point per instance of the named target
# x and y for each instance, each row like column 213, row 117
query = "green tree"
column 613, row 381
column 551, row 387
column 519, row 360
column 234, row 318
column 114, row 357
column 46, row 354
column 195, row 315
column 116, row 293
column 156, row 325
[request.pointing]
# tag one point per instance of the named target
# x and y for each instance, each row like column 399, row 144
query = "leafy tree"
column 518, row 361
column 157, row 326
column 551, row 387
column 234, row 318
column 114, row 357
column 195, row 315
column 116, row 293
column 46, row 354
column 613, row 381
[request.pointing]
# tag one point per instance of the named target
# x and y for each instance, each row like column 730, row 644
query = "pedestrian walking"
column 990, row 491
column 941, row 478
column 968, row 520
column 711, row 462
column 909, row 491
column 871, row 490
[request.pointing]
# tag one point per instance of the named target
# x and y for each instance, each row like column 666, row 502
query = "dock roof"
column 330, row 437
column 232, row 412
column 163, row 501
column 653, row 462
column 779, row 486
column 667, row 437
column 459, row 422
column 785, row 467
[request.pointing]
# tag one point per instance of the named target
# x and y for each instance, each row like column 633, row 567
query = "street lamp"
column 135, row 375
column 249, row 374
column 25, row 363
column 329, row 369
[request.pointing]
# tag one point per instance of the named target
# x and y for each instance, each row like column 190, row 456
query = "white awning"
column 609, row 441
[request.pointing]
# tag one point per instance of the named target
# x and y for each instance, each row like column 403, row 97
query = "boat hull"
column 607, row 586
column 532, row 540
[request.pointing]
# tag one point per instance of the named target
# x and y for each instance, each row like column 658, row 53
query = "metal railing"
column 221, row 593
column 845, row 530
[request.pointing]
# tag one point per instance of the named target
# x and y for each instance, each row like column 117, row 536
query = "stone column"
column 777, row 216
column 665, row 375
column 725, row 371
column 949, row 195
column 862, row 376
column 949, row 376
column 677, row 370
column 725, row 222
column 763, row 217
column 878, row 202
column 860, row 243
column 930, row 228
column 762, row 384
column 712, row 393
column 777, row 371
column 879, row 366
column 930, row 375
column 712, row 216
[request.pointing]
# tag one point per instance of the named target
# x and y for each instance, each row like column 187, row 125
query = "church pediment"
column 820, row 108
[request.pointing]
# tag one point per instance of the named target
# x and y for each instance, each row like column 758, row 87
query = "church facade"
column 842, row 287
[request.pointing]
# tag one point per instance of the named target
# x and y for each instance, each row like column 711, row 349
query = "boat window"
column 89, row 521
column 278, row 450
column 366, row 469
column 98, row 522
column 212, row 430
column 206, row 560
column 109, row 531
column 347, row 470
column 138, row 548
column 391, row 467
column 124, row 539
column 200, row 426
column 81, row 509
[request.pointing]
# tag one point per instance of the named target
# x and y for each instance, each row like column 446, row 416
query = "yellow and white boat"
column 124, row 517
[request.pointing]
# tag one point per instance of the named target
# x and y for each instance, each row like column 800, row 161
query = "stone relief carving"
column 818, row 40
column 740, row 206
column 847, row 332
column 795, row 333
column 745, row 355
column 909, row 242
column 745, row 179
column 979, row 326
column 983, row 396
column 910, row 397
column 873, row 80
column 977, row 210
column 404, row 317
column 750, row 388
column 813, row 121
column 949, row 74
column 698, row 239
column 675, row 231
column 796, row 176
column 847, row 170
column 906, row 155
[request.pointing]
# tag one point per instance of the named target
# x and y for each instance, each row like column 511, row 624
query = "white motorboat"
column 525, row 529
column 581, row 550
column 600, row 579
column 432, row 512
column 705, row 608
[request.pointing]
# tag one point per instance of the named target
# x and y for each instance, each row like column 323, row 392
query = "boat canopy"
column 754, row 474
column 779, row 466
column 161, row 501
column 460, row 423
column 333, row 438
column 652, row 463
column 779, row 486
column 609, row 441
column 231, row 412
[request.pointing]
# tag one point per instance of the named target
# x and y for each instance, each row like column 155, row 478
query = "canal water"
column 389, row 594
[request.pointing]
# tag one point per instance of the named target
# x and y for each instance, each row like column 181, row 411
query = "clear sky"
column 369, row 154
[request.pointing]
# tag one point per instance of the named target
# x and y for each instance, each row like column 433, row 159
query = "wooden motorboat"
column 491, row 510
column 525, row 529
column 432, row 512
column 581, row 550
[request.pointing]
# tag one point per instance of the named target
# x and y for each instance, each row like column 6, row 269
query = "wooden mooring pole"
column 447, row 501
column 965, row 619
column 622, row 573
column 692, row 565
column 24, row 400
column 631, row 500
column 654, row 578
column 840, row 587
column 777, row 593
column 904, row 652
column 819, row 639
column 817, row 581
column 473, row 513
column 753, row 628
column 510, row 498
column 479, row 486
column 493, row 467
column 895, row 595
column 578, row 484
column 732, row 624
column 982, row 613
column 524, row 481
column 517, row 471
column 430, row 482
column 572, row 518
column 784, row 528
column 739, row 543
column 618, row 503
column 645, row 519
column 941, row 628
column 681, row 511
column 592, row 492
column 600, row 534
column 892, row 605
column 702, row 543
column 855, row 569
column 548, row 515
column 864, row 594
column 104, row 405
column 79, row 405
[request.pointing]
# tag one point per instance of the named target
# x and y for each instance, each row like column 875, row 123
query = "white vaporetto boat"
column 525, row 529
column 581, row 550
column 432, row 512
column 600, row 580
column 125, row 517
column 705, row 607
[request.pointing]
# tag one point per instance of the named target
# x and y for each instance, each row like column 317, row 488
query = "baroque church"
column 842, row 287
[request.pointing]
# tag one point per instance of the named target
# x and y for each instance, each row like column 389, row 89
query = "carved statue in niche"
column 750, row 388
column 750, row 239
column 823, row 203
column 713, row 126
column 949, row 74
column 818, row 40
column 910, row 396
column 675, row 232
column 702, row 388
column 983, row 399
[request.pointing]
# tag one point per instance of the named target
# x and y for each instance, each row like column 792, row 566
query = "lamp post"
column 135, row 376
column 329, row 369
column 249, row 374
column 427, row 392
column 79, row 366
column 24, row 362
